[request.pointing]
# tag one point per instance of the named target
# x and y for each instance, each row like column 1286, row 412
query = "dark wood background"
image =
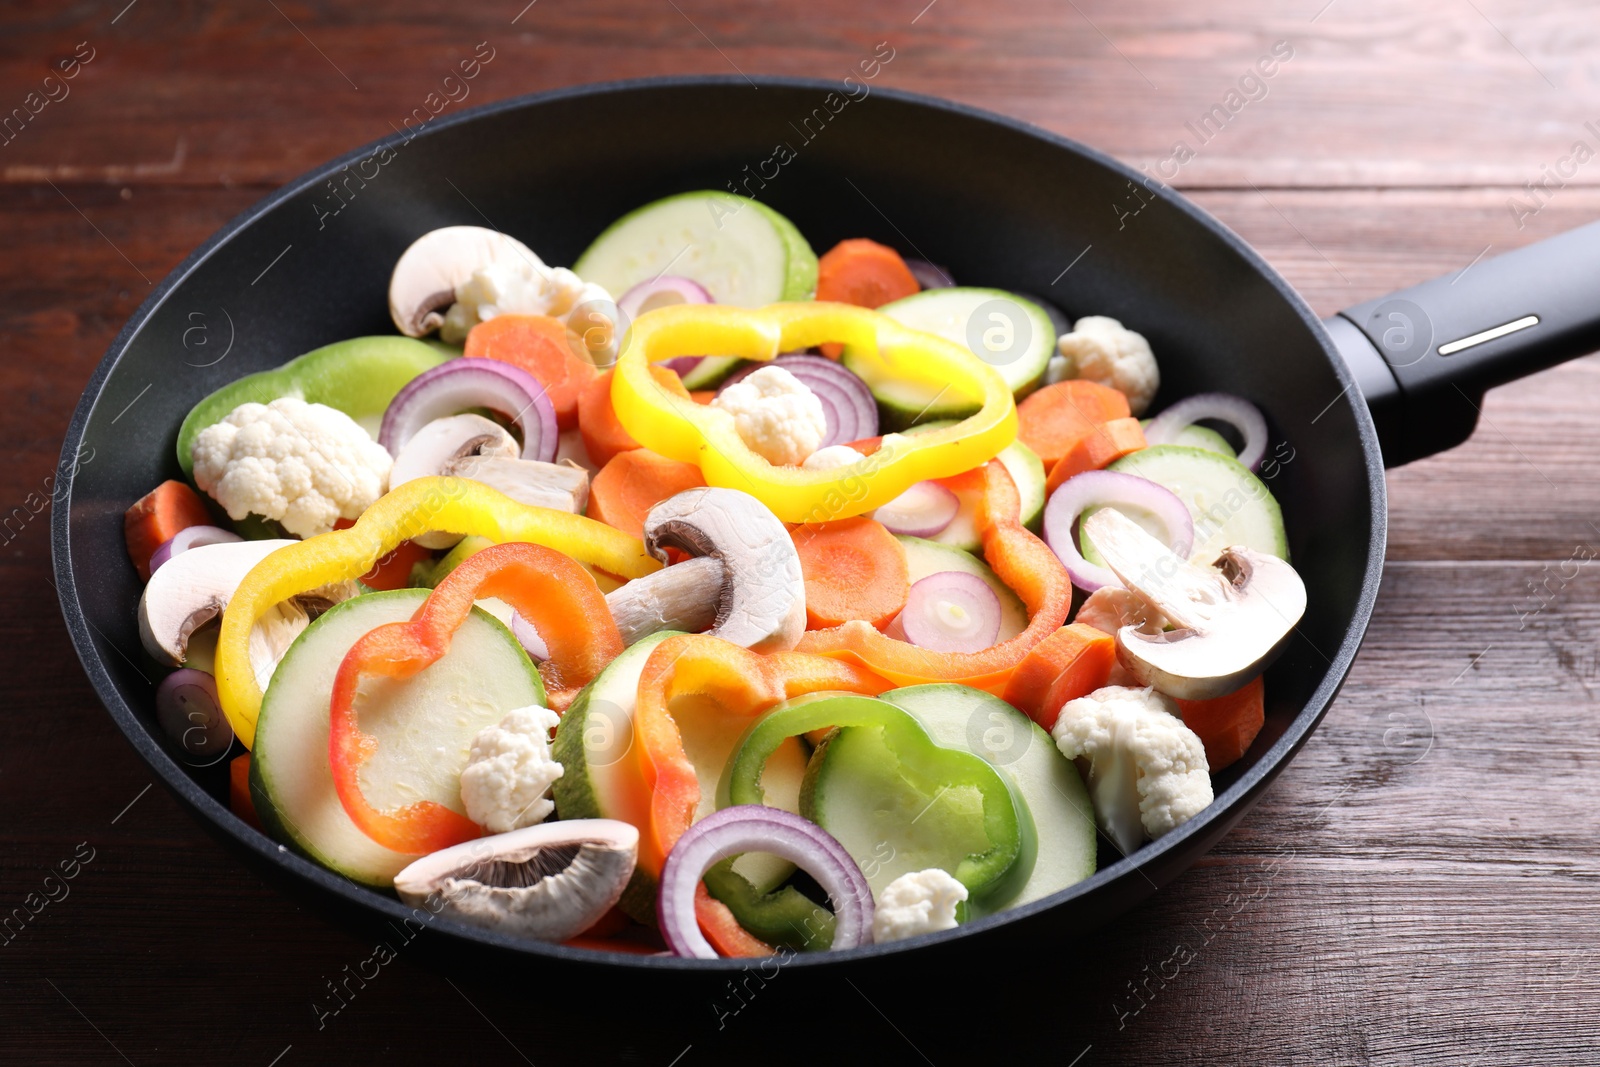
column 1420, row 886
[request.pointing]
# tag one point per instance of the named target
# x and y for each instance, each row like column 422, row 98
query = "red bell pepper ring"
column 1022, row 561
column 741, row 684
column 549, row 589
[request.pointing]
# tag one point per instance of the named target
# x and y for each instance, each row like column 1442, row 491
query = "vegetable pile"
column 773, row 602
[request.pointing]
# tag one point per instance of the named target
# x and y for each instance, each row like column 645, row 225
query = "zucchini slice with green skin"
column 595, row 736
column 1230, row 506
column 424, row 727
column 1011, row 333
column 742, row 252
column 924, row 557
column 957, row 716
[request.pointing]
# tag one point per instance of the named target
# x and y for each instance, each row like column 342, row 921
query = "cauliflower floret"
column 1147, row 770
column 1104, row 351
column 831, row 458
column 509, row 771
column 303, row 465
column 776, row 415
column 526, row 286
column 917, row 903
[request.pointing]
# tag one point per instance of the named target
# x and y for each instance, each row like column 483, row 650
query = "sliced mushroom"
column 1231, row 619
column 193, row 587
column 425, row 278
column 441, row 443
column 550, row 882
column 742, row 584
column 561, row 486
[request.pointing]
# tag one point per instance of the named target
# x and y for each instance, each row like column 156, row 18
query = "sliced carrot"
column 1070, row 663
column 539, row 345
column 854, row 569
column 633, row 482
column 1098, row 449
column 239, row 801
column 703, row 396
column 603, row 434
column 864, row 273
column 392, row 571
column 157, row 517
column 1227, row 725
column 1055, row 418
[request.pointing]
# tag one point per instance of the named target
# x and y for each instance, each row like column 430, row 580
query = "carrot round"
column 1227, row 725
column 1070, row 663
column 854, row 569
column 157, row 517
column 863, row 273
column 239, row 801
column 1097, row 449
column 602, row 432
column 537, row 344
column 1054, row 419
column 633, row 482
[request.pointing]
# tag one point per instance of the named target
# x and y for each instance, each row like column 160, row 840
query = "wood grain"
column 1418, row 887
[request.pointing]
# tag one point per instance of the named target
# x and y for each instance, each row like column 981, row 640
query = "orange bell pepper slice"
column 549, row 589
column 1022, row 561
column 739, row 681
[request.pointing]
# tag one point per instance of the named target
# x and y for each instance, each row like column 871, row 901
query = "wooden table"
column 1420, row 885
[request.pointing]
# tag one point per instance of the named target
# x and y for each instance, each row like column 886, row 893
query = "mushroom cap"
column 550, row 882
column 761, row 598
column 1231, row 619
column 426, row 275
column 191, row 589
column 438, row 445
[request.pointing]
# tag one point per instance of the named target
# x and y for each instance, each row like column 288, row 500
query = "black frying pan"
column 1000, row 203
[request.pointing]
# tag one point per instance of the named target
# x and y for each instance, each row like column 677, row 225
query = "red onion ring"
column 465, row 383
column 756, row 828
column 191, row 715
column 662, row 292
column 929, row 276
column 921, row 511
column 951, row 611
column 847, row 401
column 529, row 638
column 187, row 538
column 1236, row 411
column 1093, row 489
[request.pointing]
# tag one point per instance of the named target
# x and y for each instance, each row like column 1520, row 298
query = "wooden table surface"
column 1420, row 885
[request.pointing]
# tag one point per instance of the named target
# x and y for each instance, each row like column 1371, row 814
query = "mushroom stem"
column 561, row 487
column 684, row 597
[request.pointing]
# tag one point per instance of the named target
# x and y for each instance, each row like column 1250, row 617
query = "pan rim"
column 1227, row 807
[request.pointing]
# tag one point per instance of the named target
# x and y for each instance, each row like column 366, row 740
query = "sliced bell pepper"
column 1022, row 561
column 454, row 505
column 697, row 675
column 550, row 590
column 706, row 436
column 928, row 768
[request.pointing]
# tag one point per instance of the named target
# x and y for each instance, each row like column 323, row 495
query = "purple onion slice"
column 1236, row 411
column 187, row 538
column 466, row 383
column 951, row 611
column 1096, row 489
column 924, row 510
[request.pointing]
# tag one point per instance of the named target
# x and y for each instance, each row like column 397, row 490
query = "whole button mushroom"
column 1230, row 619
column 425, row 278
column 742, row 582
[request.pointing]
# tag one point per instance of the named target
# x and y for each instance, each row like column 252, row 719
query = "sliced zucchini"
column 1230, row 505
column 957, row 716
column 1012, row 334
column 424, row 726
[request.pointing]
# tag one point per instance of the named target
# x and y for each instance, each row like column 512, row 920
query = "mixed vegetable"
column 779, row 602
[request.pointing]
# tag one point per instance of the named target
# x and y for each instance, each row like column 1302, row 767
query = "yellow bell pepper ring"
column 451, row 505
column 683, row 430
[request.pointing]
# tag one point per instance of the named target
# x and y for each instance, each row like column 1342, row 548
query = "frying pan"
column 998, row 202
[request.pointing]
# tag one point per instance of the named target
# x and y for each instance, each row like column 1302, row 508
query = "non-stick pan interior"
column 997, row 203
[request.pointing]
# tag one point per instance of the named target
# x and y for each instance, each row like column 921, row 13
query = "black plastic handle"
column 1424, row 356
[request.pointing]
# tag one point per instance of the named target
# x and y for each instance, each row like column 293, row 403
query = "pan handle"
column 1424, row 356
